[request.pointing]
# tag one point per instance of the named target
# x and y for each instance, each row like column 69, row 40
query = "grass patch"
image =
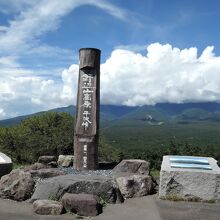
column 103, row 202
column 155, row 173
column 210, row 201
column 177, row 198
column 19, row 166
column 53, row 197
column 172, row 197
column 79, row 217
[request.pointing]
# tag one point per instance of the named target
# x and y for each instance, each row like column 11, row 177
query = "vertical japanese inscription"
column 88, row 91
column 86, row 123
column 87, row 114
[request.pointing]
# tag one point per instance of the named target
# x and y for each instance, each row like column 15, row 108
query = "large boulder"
column 38, row 166
column 132, row 166
column 46, row 159
column 82, row 204
column 5, row 164
column 135, row 185
column 48, row 207
column 65, row 160
column 18, row 185
column 56, row 187
column 46, row 173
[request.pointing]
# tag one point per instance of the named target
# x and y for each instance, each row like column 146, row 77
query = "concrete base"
column 189, row 184
column 5, row 164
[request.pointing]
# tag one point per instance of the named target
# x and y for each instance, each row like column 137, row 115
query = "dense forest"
column 141, row 140
column 51, row 133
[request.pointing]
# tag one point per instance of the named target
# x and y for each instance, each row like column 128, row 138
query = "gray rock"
column 189, row 184
column 53, row 164
column 46, row 173
column 5, row 164
column 82, row 204
column 133, row 166
column 37, row 166
column 18, row 185
column 65, row 160
column 48, row 207
column 56, row 187
column 135, row 185
column 46, row 159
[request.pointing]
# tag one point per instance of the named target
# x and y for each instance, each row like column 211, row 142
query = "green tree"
column 107, row 153
column 47, row 134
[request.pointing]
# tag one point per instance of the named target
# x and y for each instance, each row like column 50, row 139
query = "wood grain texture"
column 87, row 114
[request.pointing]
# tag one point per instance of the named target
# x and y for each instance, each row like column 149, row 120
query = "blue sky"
column 39, row 43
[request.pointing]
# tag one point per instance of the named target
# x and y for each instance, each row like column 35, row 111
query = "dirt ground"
column 144, row 208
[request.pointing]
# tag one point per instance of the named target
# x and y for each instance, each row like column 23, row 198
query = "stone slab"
column 82, row 204
column 190, row 183
column 134, row 166
column 48, row 207
column 135, row 185
column 56, row 187
column 5, row 164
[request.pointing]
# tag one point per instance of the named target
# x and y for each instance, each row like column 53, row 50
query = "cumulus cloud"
column 164, row 74
column 25, row 94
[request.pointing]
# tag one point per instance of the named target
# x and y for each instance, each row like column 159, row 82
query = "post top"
column 89, row 57
column 89, row 48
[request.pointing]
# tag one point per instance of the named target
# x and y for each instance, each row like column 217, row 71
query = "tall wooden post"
column 87, row 114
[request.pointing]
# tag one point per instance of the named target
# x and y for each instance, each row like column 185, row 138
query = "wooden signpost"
column 86, row 133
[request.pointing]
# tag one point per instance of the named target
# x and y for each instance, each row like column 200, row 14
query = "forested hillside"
column 146, row 132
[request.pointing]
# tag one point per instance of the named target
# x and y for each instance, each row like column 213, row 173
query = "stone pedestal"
column 192, row 184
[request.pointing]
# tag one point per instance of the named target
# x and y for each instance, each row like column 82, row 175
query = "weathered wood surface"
column 87, row 114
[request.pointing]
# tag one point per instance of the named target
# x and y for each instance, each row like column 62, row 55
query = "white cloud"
column 8, row 62
column 38, row 17
column 26, row 90
column 109, row 8
column 165, row 74
column 2, row 112
column 70, row 80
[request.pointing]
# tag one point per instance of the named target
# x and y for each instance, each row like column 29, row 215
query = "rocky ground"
column 56, row 190
column 144, row 208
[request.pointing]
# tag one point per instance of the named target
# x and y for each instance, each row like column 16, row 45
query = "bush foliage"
column 47, row 134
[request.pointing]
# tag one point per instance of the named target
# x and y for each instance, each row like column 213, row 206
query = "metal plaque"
column 189, row 160
column 191, row 166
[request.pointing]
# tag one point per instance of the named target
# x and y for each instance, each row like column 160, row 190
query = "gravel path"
column 71, row 170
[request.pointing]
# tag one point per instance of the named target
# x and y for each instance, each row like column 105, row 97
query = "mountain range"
column 153, row 115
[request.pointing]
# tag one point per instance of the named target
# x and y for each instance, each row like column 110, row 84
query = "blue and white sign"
column 189, row 162
column 185, row 159
column 191, row 166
